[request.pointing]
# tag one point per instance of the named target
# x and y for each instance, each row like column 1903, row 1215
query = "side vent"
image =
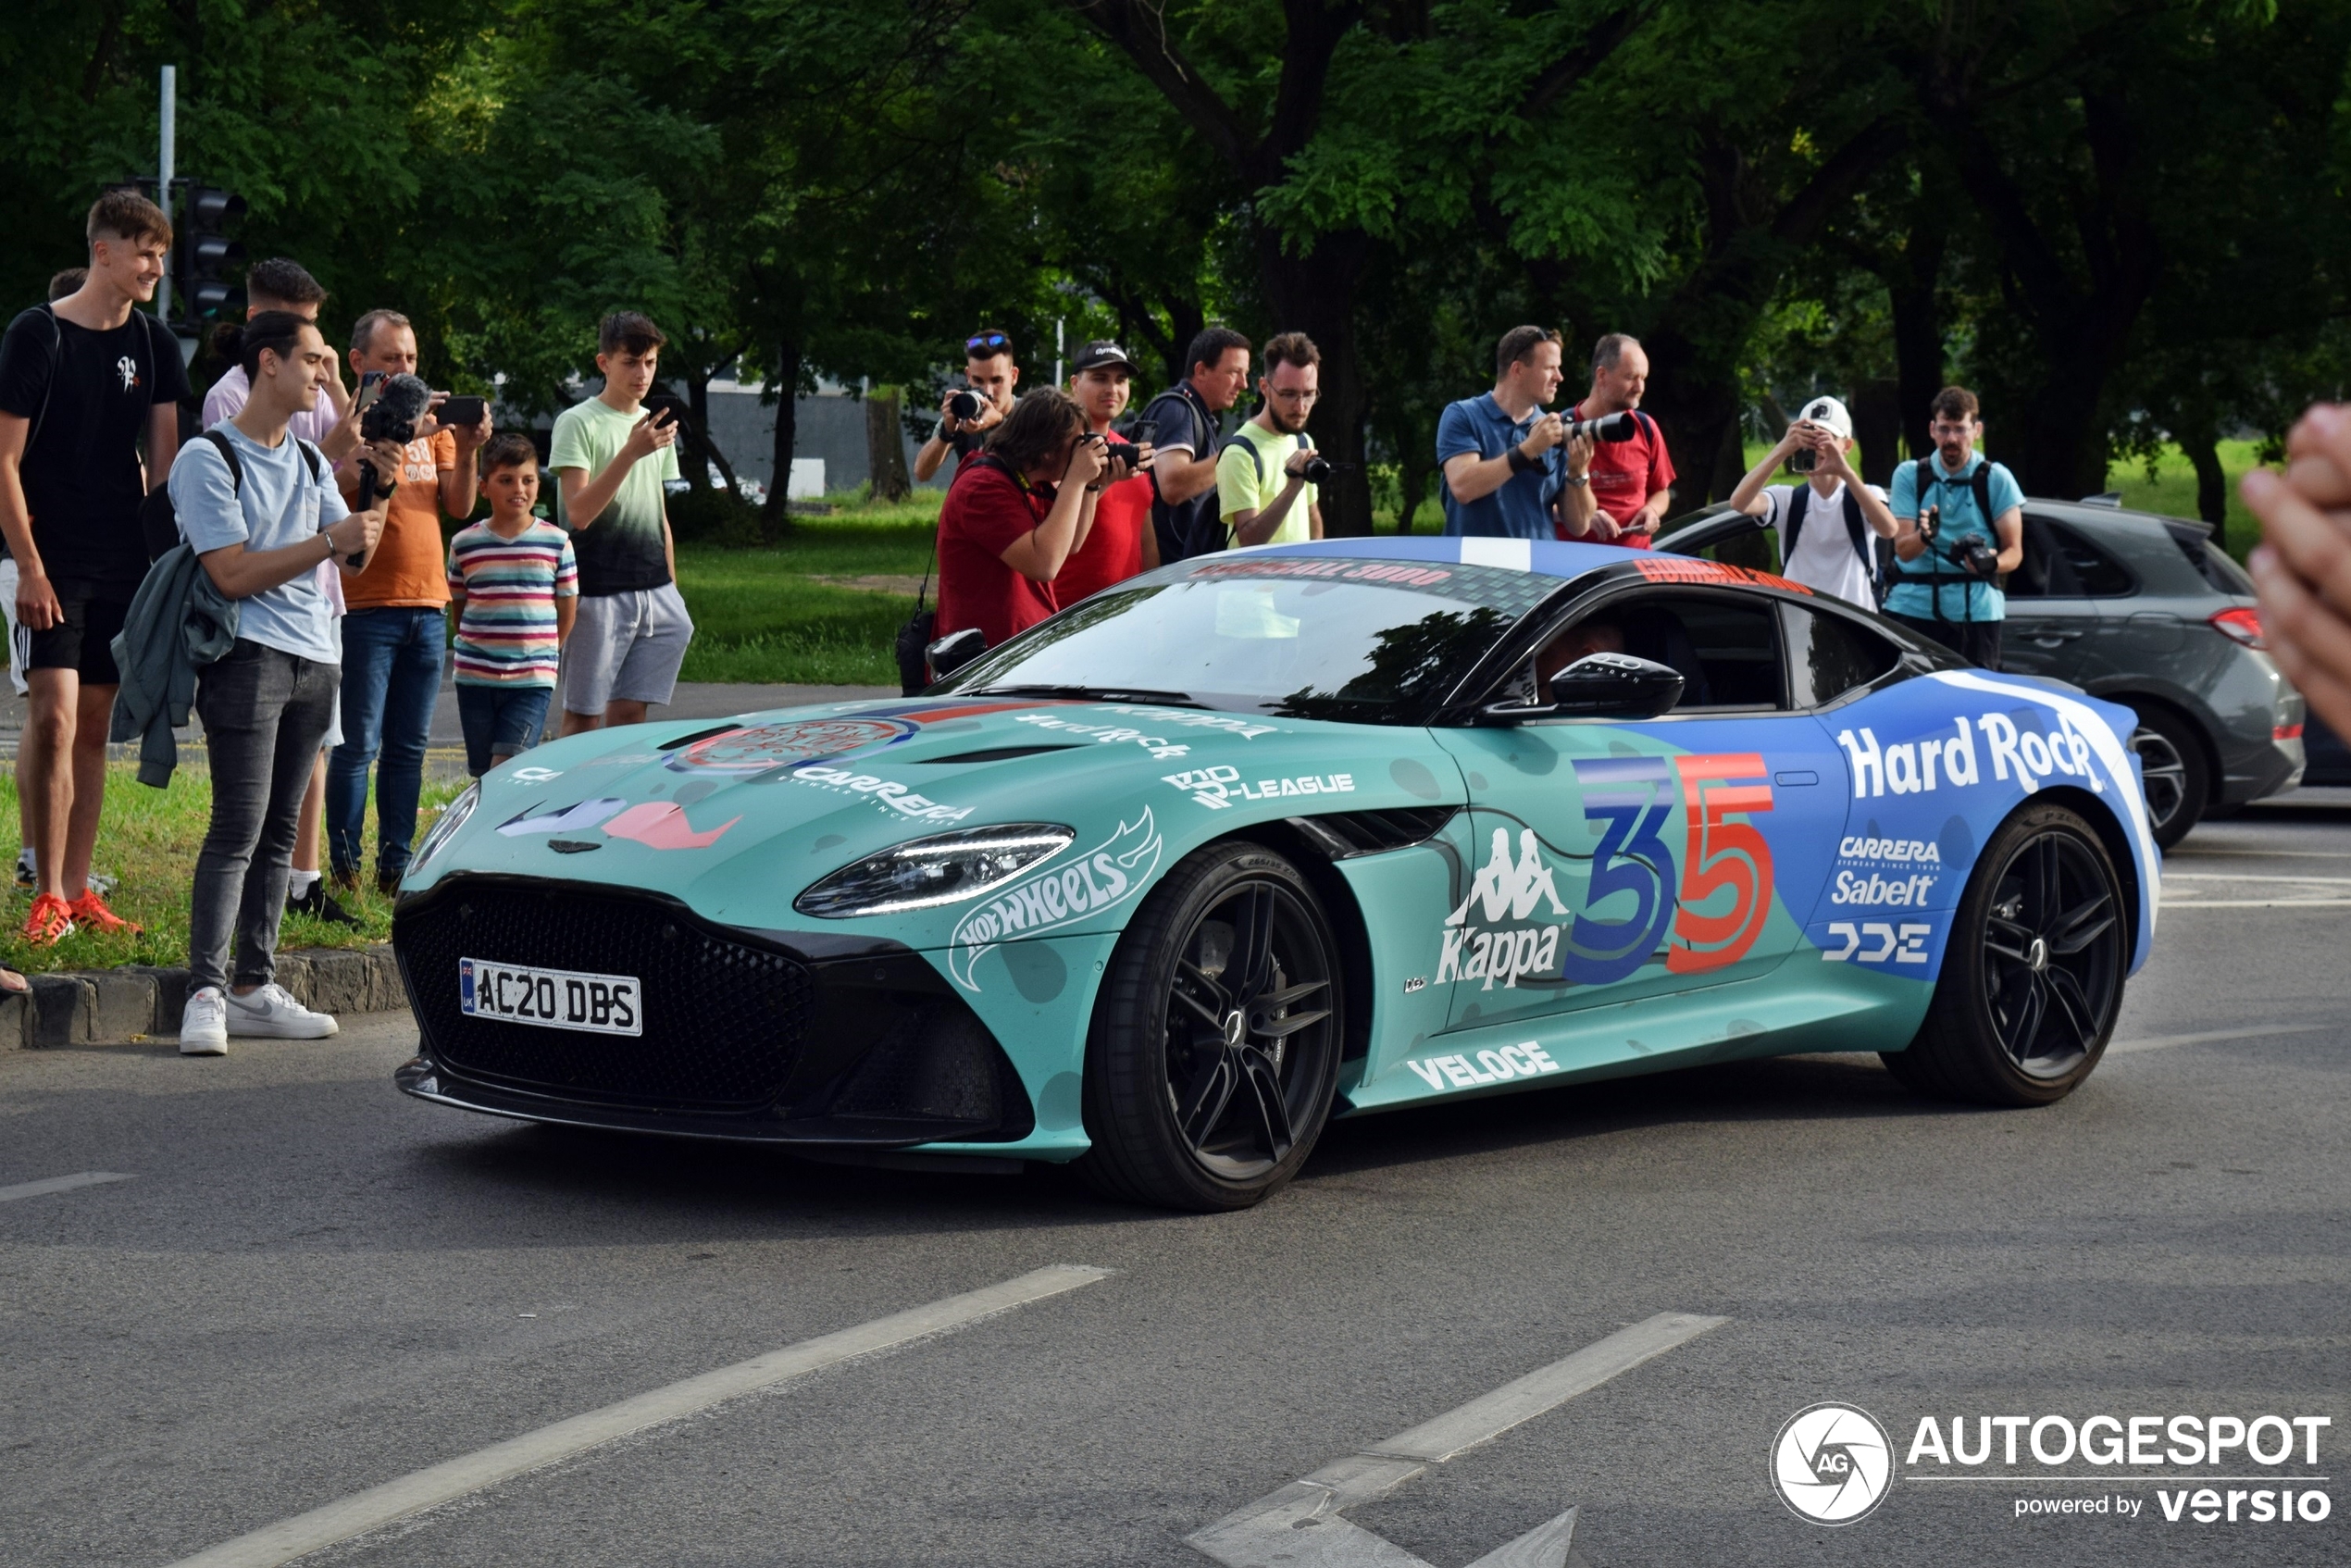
column 732, row 723
column 1344, row 835
column 999, row 754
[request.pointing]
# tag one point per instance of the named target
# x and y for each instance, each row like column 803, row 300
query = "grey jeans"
column 263, row 713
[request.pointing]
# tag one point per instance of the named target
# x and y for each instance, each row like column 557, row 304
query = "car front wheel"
column 2033, row 975
column 1215, row 1051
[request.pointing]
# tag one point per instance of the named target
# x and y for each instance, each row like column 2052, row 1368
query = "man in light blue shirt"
column 1502, row 457
column 1960, row 525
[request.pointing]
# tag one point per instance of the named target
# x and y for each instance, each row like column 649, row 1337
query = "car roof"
column 1543, row 557
column 2097, row 512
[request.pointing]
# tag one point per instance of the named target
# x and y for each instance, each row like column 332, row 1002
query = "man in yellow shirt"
column 1261, row 489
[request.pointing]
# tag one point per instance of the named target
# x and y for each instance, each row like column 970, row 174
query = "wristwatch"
column 1579, row 480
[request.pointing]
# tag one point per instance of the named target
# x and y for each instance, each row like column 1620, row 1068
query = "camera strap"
column 1979, row 482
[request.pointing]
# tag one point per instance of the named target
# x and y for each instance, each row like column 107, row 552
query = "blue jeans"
column 390, row 678
column 500, row 721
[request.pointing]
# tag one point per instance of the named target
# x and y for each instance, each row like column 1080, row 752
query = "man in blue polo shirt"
column 1973, row 503
column 1502, row 454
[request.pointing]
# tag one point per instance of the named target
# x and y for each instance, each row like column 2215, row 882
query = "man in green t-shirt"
column 611, row 459
column 1261, row 491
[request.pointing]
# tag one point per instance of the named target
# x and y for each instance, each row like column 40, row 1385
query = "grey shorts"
column 626, row 647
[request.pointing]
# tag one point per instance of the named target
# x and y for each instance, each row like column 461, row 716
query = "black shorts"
column 83, row 639
column 1976, row 641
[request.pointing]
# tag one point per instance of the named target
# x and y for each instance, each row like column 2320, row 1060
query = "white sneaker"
column 272, row 1013
column 204, row 1027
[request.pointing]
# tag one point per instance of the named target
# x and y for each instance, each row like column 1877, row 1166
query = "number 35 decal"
column 1629, row 799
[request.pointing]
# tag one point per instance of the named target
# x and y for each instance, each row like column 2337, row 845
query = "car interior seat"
column 1654, row 632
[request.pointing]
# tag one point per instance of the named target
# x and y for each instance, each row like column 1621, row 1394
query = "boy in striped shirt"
column 513, row 589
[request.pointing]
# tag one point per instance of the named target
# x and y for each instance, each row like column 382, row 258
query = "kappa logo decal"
column 1504, row 890
column 1057, row 894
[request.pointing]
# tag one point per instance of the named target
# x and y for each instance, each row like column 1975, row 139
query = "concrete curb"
column 109, row 1006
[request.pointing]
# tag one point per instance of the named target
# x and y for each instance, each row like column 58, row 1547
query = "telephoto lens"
column 966, row 404
column 1607, row 427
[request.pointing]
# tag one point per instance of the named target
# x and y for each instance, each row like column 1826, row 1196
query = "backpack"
column 1222, row 535
column 160, row 519
column 1854, row 530
column 1211, row 528
column 1936, row 576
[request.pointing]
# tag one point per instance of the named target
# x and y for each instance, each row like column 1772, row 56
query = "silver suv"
column 2146, row 610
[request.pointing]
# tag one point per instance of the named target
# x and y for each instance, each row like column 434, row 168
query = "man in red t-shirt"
column 1632, row 480
column 1123, row 542
column 1014, row 516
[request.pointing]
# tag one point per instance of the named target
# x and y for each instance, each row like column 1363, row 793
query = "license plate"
column 551, row 998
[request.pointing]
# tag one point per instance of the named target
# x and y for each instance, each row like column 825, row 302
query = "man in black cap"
column 1122, row 542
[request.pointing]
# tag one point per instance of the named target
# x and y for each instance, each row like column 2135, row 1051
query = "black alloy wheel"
column 1216, row 1040
column 2033, row 973
column 2173, row 774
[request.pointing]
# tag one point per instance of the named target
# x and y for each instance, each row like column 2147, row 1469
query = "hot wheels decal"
column 1057, row 894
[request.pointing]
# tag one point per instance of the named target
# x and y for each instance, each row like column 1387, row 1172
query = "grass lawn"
column 147, row 839
column 788, row 612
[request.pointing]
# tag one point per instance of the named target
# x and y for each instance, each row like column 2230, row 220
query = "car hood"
column 737, row 818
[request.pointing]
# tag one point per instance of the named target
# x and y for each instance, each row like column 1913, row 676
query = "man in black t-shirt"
column 80, row 382
column 1181, row 425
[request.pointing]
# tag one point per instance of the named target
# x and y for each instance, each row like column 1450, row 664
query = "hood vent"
column 996, row 753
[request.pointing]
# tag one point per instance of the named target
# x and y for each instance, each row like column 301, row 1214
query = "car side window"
column 1828, row 656
column 1727, row 647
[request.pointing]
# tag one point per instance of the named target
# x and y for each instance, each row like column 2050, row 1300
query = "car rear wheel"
column 1214, row 1052
column 2178, row 783
column 2033, row 975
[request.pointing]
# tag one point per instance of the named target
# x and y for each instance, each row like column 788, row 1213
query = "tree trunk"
column 1314, row 294
column 2212, row 485
column 1918, row 332
column 1413, row 477
column 702, row 447
column 886, row 446
column 784, row 381
column 1877, row 425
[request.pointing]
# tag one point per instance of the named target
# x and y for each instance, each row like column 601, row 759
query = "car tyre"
column 1213, row 1057
column 2178, row 780
column 2033, row 973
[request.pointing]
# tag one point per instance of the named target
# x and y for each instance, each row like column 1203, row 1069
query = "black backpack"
column 1856, row 530
column 1209, row 534
column 160, row 519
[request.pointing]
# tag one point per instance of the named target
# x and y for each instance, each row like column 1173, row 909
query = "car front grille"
column 724, row 1020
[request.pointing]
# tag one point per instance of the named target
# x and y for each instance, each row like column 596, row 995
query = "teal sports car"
column 1165, row 883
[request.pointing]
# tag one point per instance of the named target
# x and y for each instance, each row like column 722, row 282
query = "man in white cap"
column 1825, row 524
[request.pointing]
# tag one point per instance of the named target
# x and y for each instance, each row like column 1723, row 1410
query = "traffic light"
column 207, row 254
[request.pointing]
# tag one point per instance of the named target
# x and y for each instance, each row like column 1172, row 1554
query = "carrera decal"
column 1220, row 785
column 881, row 791
column 1160, row 748
column 1693, row 568
column 563, row 819
column 1057, row 894
column 1524, row 1061
column 1898, row 851
column 662, row 825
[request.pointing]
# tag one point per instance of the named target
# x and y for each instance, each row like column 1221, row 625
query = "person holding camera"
column 261, row 510
column 395, row 635
column 1014, row 516
column 1960, row 524
column 1631, row 480
column 1180, row 424
column 1501, row 455
column 1837, row 557
column 1121, row 543
column 611, row 460
column 1266, row 476
column 967, row 413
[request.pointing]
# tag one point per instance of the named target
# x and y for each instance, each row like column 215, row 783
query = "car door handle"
column 2052, row 639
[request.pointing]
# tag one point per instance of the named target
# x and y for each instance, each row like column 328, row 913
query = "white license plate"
column 552, row 999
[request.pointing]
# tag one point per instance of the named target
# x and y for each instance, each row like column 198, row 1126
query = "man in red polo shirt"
column 1123, row 542
column 1015, row 515
column 1632, row 480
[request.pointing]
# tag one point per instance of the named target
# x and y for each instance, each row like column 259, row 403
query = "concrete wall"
column 828, row 428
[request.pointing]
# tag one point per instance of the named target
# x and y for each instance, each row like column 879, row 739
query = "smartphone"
column 460, row 411
column 670, row 408
column 371, row 386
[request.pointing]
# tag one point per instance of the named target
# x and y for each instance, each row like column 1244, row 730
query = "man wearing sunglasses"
column 988, row 370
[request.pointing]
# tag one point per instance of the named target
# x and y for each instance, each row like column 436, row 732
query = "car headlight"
column 452, row 819
column 925, row 873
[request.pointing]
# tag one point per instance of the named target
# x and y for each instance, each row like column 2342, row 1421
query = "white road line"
column 2158, row 1043
column 443, row 1483
column 59, row 1184
column 2181, row 906
column 1299, row 1526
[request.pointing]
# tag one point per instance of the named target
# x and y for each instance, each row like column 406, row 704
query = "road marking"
column 2320, row 892
column 59, row 1184
column 455, row 1478
column 2158, row 1042
column 1299, row 1526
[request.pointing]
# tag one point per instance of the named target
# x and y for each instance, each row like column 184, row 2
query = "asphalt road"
column 312, row 1286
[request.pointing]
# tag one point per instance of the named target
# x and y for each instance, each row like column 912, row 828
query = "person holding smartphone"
column 394, row 637
column 612, row 458
column 1828, row 522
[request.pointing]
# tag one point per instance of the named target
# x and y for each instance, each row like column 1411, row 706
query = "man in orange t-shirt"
column 395, row 635
column 1123, row 542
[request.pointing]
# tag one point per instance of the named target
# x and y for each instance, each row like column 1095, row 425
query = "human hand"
column 2303, row 570
column 647, row 436
column 386, row 458
column 1547, row 434
column 358, row 533
column 476, row 434
column 1294, row 465
column 1088, row 458
column 1605, row 527
column 1579, row 454
column 37, row 606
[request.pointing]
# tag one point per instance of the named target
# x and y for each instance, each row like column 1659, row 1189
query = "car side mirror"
column 1598, row 686
column 954, row 651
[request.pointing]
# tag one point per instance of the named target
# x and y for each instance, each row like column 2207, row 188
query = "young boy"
column 611, row 459
column 513, row 589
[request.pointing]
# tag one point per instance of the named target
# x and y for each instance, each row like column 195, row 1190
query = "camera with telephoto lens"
column 968, row 403
column 1319, row 469
column 1620, row 426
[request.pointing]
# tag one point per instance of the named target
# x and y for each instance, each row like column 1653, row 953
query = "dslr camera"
column 1116, row 449
column 968, row 403
column 1971, row 554
column 1319, row 469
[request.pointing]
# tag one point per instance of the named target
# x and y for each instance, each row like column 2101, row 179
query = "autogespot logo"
column 1832, row 1463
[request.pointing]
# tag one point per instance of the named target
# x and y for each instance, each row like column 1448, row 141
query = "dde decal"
column 1057, row 894
column 1888, row 943
column 881, row 791
column 1219, row 786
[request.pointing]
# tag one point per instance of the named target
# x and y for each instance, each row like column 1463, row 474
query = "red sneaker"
column 90, row 911
column 51, row 921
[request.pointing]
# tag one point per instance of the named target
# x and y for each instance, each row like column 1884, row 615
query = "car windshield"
column 1314, row 637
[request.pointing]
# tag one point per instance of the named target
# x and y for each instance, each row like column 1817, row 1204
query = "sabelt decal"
column 1220, row 785
column 881, row 791
column 1059, row 894
column 1524, row 1061
column 1876, row 889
